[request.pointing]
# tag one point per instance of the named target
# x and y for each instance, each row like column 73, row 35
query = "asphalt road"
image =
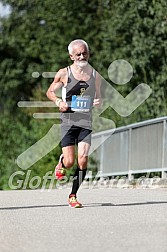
column 111, row 220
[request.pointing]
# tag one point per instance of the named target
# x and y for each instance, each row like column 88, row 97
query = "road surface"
column 112, row 220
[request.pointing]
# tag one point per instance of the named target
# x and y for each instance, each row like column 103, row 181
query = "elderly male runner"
column 80, row 85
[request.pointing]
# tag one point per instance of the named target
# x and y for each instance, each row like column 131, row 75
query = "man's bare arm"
column 51, row 93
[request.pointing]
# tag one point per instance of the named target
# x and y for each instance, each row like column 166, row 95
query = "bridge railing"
column 133, row 149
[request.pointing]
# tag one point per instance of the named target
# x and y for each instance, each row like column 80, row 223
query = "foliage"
column 34, row 38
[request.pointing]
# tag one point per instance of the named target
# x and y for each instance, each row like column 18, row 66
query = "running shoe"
column 59, row 170
column 72, row 201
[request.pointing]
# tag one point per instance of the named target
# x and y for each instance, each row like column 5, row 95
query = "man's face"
column 80, row 55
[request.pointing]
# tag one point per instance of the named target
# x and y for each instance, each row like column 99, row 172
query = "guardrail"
column 133, row 149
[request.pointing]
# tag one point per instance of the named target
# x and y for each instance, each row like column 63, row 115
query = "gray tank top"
column 79, row 89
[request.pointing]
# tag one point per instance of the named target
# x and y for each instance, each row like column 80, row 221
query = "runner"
column 80, row 85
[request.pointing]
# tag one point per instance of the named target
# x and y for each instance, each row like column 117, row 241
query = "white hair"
column 75, row 42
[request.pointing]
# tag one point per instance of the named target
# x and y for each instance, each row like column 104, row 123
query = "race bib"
column 81, row 103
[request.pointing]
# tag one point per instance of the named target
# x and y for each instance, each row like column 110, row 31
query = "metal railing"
column 133, row 149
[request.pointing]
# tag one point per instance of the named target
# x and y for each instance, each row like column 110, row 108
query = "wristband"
column 58, row 102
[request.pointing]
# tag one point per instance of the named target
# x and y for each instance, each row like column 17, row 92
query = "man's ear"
column 71, row 57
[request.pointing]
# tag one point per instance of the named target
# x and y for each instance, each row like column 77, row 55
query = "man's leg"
column 67, row 157
column 66, row 160
column 80, row 173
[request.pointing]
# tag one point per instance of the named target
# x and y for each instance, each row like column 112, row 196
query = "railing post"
column 130, row 176
column 164, row 173
column 102, row 156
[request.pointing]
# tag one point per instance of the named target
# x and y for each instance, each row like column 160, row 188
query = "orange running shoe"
column 59, row 170
column 72, row 201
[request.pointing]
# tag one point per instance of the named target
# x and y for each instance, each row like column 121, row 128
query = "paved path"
column 112, row 220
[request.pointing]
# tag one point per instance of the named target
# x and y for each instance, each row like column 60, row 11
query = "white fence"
column 136, row 148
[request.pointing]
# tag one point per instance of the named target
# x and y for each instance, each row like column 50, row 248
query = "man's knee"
column 68, row 162
column 82, row 162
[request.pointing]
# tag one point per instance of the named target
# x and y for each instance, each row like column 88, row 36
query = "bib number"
column 81, row 104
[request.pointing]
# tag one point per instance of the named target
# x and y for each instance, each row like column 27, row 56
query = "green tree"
column 34, row 38
column 137, row 32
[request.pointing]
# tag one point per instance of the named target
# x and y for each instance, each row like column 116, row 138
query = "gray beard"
column 82, row 63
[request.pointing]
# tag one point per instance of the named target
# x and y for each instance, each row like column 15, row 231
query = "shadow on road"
column 87, row 205
column 30, row 207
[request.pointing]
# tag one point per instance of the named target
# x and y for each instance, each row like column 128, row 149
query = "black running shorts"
column 74, row 135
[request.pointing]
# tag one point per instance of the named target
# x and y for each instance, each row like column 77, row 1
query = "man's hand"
column 96, row 102
column 63, row 106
